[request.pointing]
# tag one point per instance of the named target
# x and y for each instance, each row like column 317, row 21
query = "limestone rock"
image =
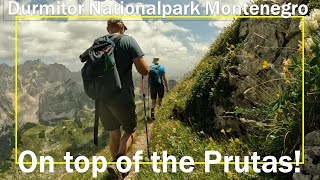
column 313, row 139
column 311, row 168
column 300, row 176
column 172, row 83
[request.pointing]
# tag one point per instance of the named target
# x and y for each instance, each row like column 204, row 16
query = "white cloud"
column 221, row 23
column 199, row 48
column 64, row 41
column 6, row 37
column 191, row 38
column 166, row 27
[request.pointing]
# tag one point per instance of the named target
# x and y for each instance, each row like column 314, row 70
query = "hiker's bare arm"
column 141, row 65
column 165, row 82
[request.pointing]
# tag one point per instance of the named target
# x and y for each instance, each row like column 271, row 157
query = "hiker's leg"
column 160, row 101
column 126, row 142
column 124, row 109
column 112, row 126
column 154, row 94
column 114, row 143
column 153, row 104
column 161, row 94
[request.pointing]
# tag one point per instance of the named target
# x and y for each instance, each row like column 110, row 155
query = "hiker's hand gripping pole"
column 145, row 113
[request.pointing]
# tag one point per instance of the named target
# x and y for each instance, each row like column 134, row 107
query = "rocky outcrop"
column 172, row 83
column 244, row 69
column 6, row 95
column 272, row 41
column 6, row 110
column 7, row 79
column 311, row 168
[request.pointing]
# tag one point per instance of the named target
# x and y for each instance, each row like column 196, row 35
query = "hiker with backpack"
column 110, row 84
column 157, row 82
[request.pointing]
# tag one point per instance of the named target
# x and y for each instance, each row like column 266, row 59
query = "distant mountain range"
column 50, row 95
column 47, row 93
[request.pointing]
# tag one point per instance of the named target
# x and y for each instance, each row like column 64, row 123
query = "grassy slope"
column 181, row 139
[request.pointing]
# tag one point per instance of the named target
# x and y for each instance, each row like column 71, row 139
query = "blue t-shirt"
column 162, row 71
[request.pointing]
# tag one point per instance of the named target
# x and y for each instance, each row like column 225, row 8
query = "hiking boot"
column 114, row 172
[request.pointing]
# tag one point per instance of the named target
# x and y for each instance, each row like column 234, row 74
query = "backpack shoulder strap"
column 96, row 122
column 117, row 38
column 155, row 66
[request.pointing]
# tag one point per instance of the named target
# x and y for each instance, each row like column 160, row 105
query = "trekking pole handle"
column 142, row 85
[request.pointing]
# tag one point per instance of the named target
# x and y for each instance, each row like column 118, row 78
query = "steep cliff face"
column 233, row 75
column 6, row 96
column 63, row 102
column 271, row 41
column 6, row 110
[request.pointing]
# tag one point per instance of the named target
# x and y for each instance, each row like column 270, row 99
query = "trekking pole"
column 145, row 114
column 149, row 109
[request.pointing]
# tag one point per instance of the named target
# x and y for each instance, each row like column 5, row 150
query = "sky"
column 180, row 44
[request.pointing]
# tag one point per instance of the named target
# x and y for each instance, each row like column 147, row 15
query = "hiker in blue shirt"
column 157, row 81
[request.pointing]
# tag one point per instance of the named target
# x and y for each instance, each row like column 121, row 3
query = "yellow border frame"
column 150, row 17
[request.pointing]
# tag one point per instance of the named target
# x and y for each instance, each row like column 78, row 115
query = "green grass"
column 181, row 140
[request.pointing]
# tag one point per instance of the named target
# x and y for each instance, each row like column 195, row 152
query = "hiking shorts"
column 157, row 91
column 119, row 112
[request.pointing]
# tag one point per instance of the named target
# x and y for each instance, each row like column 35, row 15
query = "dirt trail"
column 139, row 144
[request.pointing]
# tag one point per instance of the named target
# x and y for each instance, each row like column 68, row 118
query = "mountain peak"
column 4, row 66
column 5, row 69
column 34, row 63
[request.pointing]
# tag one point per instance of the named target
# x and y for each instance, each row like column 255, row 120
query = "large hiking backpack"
column 100, row 76
column 154, row 75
